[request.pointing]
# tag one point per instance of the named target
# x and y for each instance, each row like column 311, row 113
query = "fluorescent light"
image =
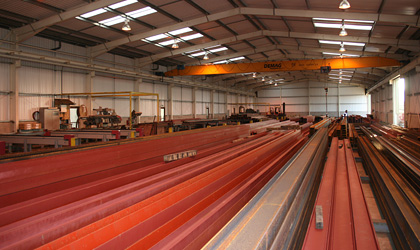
column 93, row 13
column 122, row 4
column 180, row 31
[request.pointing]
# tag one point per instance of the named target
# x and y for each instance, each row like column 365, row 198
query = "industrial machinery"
column 105, row 117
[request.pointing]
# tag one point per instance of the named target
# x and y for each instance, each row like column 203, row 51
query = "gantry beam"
column 336, row 63
column 411, row 20
column 32, row 29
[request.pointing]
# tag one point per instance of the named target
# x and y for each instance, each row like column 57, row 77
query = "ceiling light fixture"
column 343, row 31
column 275, row 84
column 342, row 49
column 339, row 82
column 271, row 82
column 175, row 44
column 126, row 26
column 254, row 74
column 206, row 57
column 263, row 79
column 344, row 5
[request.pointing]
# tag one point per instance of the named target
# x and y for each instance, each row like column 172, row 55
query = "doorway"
column 162, row 114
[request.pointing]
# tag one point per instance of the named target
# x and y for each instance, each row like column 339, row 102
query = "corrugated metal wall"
column 310, row 98
column 412, row 99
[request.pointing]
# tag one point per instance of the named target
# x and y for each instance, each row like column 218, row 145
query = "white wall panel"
column 177, row 108
column 353, row 99
column 104, row 102
column 295, row 92
column 206, row 95
column 4, row 77
column 187, row 94
column 124, row 85
column 30, row 104
column 222, row 109
column 148, row 107
column 199, row 108
column 103, row 84
column 162, row 90
column 186, row 108
column 122, row 107
column 36, row 80
column 73, row 83
column 177, row 93
column 146, row 87
column 4, row 107
column 269, row 92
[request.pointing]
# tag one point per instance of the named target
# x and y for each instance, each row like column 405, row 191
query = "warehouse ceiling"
column 229, row 31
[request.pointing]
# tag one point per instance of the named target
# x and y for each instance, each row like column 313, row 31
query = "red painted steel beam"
column 26, row 174
column 29, row 207
column 346, row 220
column 132, row 216
column 200, row 229
column 319, row 238
column 364, row 232
column 99, row 207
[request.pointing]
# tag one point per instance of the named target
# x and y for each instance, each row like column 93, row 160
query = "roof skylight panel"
column 113, row 6
column 220, row 62
column 218, row 49
column 237, row 58
column 184, row 38
column 93, row 13
column 191, row 37
column 339, row 43
column 180, row 31
column 141, row 12
column 134, row 14
column 122, row 4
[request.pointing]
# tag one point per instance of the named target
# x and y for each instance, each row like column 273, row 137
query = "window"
column 398, row 90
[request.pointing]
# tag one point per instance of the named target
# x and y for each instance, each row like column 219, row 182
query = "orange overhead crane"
column 315, row 64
